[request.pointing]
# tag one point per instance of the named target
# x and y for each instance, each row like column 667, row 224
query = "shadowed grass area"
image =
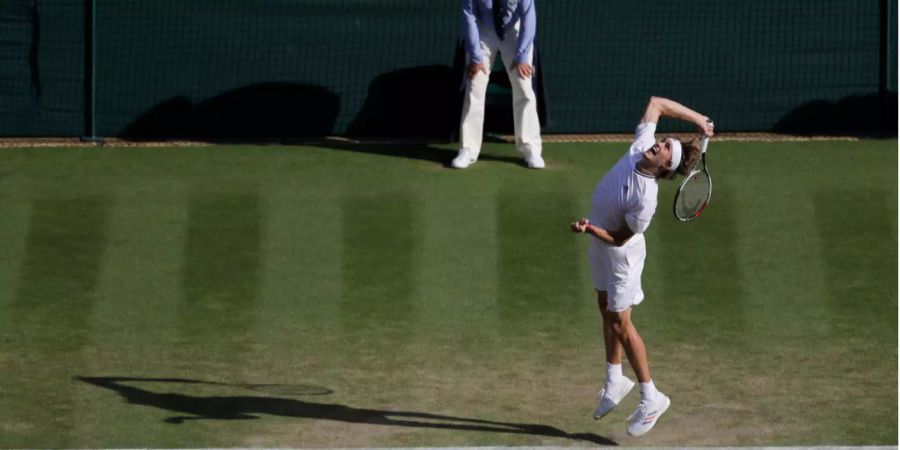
column 435, row 307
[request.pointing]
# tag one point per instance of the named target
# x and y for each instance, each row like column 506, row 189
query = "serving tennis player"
column 621, row 209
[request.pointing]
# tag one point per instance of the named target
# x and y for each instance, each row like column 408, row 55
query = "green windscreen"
column 749, row 65
column 277, row 68
column 41, row 68
column 270, row 68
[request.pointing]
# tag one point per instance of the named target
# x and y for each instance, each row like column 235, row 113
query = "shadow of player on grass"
column 249, row 407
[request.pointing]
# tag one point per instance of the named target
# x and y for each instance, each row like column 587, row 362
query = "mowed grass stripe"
column 784, row 267
column 132, row 332
column 15, row 427
column 870, row 251
column 301, row 281
column 693, row 322
column 457, row 280
column 220, row 308
column 14, row 222
column 548, row 326
column 537, row 274
column 51, row 313
column 220, row 279
column 861, row 281
column 297, row 328
column 789, row 274
column 692, row 276
column 783, row 275
column 380, row 235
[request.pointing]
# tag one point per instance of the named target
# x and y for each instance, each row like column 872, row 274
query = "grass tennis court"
column 351, row 295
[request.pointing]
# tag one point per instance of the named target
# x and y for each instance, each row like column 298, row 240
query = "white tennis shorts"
column 617, row 270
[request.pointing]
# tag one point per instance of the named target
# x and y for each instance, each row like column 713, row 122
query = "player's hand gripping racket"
column 696, row 190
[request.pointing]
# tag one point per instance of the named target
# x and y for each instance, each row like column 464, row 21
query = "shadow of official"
column 255, row 113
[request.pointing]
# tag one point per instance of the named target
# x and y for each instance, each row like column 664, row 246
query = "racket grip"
column 705, row 139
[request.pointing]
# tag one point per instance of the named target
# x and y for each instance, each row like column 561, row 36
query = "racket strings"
column 693, row 196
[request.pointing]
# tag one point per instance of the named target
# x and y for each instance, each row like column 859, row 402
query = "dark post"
column 884, row 12
column 90, row 134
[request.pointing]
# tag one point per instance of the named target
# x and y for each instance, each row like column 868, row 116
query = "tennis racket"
column 696, row 190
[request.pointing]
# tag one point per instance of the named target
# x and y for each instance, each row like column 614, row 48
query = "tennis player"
column 622, row 206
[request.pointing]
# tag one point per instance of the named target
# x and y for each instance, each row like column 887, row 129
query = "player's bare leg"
column 631, row 341
column 653, row 403
column 616, row 386
column 613, row 346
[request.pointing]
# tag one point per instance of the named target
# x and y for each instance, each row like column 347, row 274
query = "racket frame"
column 704, row 141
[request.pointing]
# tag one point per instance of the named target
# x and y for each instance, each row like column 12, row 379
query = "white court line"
column 630, row 448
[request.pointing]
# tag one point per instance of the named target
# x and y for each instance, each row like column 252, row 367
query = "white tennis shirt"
column 625, row 195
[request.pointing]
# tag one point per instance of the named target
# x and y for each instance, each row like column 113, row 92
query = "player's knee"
column 620, row 321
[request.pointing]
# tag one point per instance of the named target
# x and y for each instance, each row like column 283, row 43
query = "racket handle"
column 705, row 139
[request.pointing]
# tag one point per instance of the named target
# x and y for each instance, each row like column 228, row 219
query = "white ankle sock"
column 613, row 372
column 648, row 391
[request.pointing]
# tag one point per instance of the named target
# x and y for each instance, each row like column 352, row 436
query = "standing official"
column 507, row 27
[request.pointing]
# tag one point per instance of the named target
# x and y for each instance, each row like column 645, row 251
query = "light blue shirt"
column 475, row 11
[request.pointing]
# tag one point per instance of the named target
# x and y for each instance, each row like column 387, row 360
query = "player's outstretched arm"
column 616, row 238
column 662, row 107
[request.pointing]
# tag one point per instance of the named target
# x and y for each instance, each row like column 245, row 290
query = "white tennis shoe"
column 646, row 414
column 534, row 162
column 462, row 160
column 611, row 397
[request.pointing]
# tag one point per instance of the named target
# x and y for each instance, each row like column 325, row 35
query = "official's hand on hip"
column 473, row 69
column 524, row 70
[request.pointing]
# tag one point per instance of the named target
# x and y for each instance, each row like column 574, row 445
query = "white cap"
column 675, row 145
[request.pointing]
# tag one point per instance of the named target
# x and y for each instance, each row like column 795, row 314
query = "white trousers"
column 525, row 117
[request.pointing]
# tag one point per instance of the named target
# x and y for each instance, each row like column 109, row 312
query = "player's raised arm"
column 662, row 107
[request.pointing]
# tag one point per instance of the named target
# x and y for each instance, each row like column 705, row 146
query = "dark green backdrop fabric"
column 41, row 68
column 279, row 68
